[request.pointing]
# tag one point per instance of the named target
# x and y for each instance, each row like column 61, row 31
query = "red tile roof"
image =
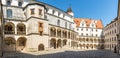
column 88, row 22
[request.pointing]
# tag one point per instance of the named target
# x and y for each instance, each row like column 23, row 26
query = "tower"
column 118, row 14
column 69, row 11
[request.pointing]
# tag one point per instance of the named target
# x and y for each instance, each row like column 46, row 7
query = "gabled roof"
column 88, row 22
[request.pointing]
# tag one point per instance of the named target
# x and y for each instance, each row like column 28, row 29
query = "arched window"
column 9, row 13
column 58, row 22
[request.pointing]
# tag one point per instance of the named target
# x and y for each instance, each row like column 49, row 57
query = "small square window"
column 32, row 11
column 96, row 30
column 86, row 29
column 20, row 3
column 40, row 12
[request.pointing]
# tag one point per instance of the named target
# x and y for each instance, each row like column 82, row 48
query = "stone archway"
column 64, row 42
column 21, row 28
column 21, row 43
column 53, row 43
column 41, row 47
column 9, row 28
column 87, row 46
column 9, row 44
column 58, row 43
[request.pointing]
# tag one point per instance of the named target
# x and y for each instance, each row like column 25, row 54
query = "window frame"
column 32, row 11
column 9, row 13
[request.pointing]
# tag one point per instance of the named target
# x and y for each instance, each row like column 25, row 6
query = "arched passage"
column 53, row 43
column 21, row 28
column 41, row 47
column 53, row 32
column 9, row 28
column 9, row 44
column 21, row 43
column 58, row 43
column 59, row 32
column 64, row 42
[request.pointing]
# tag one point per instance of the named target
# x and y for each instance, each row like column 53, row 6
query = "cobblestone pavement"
column 70, row 54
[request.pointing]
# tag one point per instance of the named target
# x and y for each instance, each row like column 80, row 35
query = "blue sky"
column 106, row 10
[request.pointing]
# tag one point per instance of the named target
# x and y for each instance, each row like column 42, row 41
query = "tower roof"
column 69, row 9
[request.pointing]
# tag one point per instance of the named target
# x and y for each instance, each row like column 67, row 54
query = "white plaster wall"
column 36, row 11
column 15, row 2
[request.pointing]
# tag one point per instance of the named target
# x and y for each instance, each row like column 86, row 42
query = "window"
column 92, row 29
column 47, row 9
column 20, row 3
column 92, row 34
column 86, row 34
column 96, row 35
column 77, row 29
column 82, row 24
column 81, row 34
column 58, row 14
column 32, row 11
column 92, row 25
column 115, row 24
column 40, row 24
column 70, row 26
column 8, row 2
column 53, row 12
column 9, row 13
column 96, row 30
column 58, row 22
column 40, row 12
column 86, row 29
column 81, row 29
column 66, row 24
column 40, row 28
column 115, row 31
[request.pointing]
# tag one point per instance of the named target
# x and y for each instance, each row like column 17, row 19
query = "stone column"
column 15, row 29
column 56, row 32
column 61, row 33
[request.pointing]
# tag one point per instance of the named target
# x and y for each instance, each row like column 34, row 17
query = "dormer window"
column 32, row 11
column 8, row 2
column 20, row 3
column 82, row 24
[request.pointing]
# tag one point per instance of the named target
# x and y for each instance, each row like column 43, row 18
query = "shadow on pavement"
column 68, row 54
